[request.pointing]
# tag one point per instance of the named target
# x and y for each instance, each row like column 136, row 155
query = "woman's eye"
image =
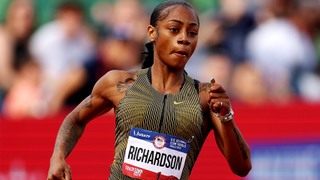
column 193, row 33
column 174, row 29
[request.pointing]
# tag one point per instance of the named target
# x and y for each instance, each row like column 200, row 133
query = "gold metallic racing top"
column 144, row 107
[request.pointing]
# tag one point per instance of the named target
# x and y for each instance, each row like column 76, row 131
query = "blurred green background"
column 45, row 9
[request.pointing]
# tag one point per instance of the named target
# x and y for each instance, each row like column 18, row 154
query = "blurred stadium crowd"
column 261, row 51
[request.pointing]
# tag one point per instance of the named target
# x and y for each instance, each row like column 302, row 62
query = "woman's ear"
column 152, row 33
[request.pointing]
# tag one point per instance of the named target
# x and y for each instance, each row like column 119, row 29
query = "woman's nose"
column 183, row 38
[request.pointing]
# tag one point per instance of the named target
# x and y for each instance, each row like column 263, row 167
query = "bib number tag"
column 151, row 155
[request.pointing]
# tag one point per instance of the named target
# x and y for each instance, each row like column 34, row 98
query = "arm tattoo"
column 68, row 136
column 204, row 87
column 241, row 145
column 124, row 87
column 88, row 102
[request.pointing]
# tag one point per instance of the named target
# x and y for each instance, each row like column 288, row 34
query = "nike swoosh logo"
column 175, row 102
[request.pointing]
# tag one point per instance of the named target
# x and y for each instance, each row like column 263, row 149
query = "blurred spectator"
column 223, row 33
column 282, row 47
column 229, row 28
column 14, row 36
column 125, row 19
column 247, row 85
column 218, row 66
column 61, row 48
column 113, row 53
column 124, row 33
column 129, row 20
column 24, row 98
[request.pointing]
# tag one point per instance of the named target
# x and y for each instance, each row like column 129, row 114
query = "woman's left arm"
column 228, row 136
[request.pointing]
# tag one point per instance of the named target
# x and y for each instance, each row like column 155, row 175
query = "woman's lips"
column 180, row 53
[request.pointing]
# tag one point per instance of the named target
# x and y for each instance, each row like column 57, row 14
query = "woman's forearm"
column 236, row 149
column 68, row 136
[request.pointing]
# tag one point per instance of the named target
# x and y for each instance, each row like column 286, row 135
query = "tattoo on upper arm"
column 68, row 136
column 204, row 87
column 241, row 145
column 88, row 102
column 124, row 87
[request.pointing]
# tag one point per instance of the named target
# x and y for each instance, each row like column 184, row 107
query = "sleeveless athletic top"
column 144, row 107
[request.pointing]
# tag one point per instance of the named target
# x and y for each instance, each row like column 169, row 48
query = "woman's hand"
column 59, row 169
column 218, row 100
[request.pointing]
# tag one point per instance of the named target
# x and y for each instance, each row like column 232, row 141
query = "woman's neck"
column 166, row 80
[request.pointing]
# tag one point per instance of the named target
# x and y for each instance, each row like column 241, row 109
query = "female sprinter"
column 163, row 116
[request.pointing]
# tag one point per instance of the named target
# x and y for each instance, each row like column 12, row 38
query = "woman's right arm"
column 74, row 124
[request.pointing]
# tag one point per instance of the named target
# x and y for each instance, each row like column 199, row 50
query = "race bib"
column 151, row 155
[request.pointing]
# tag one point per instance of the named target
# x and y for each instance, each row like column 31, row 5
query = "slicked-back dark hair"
column 158, row 15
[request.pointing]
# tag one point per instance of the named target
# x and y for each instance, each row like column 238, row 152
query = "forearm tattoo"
column 204, row 87
column 67, row 137
column 88, row 102
column 241, row 145
column 124, row 87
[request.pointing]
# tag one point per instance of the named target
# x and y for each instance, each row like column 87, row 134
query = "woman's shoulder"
column 114, row 84
column 203, row 89
column 113, row 77
column 200, row 86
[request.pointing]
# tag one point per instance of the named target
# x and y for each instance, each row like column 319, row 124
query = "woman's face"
column 175, row 37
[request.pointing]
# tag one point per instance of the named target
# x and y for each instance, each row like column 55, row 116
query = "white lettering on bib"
column 151, row 155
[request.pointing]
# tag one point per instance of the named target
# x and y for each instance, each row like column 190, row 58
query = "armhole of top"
column 196, row 85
